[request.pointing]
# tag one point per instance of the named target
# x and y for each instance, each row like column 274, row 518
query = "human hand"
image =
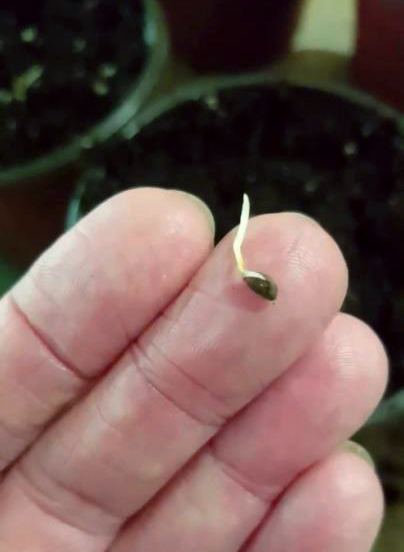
column 149, row 401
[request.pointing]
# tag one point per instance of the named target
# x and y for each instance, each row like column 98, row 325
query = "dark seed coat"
column 266, row 287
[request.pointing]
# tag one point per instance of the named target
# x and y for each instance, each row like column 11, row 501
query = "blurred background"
column 299, row 102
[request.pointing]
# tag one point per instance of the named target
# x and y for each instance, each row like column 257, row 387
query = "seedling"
column 258, row 282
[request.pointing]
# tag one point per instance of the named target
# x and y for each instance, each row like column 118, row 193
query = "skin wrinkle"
column 130, row 475
column 268, row 494
column 193, row 294
column 37, row 497
column 77, row 382
column 46, row 343
column 186, row 375
column 136, row 349
column 248, row 486
column 234, row 480
column 56, row 484
column 217, row 398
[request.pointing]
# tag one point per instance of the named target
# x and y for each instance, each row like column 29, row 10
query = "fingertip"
column 357, row 493
column 183, row 211
column 337, row 504
column 302, row 257
column 316, row 252
column 201, row 207
column 355, row 478
column 356, row 449
column 361, row 357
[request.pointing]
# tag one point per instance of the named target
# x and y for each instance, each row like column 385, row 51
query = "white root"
column 238, row 241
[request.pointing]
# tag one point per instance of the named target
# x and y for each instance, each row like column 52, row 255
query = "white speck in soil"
column 79, row 45
column 107, row 70
column 100, row 88
column 29, row 34
column 350, row 149
column 5, row 96
column 86, row 142
column 311, row 186
column 212, row 101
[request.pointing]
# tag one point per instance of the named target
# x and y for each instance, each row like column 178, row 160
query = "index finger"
column 87, row 298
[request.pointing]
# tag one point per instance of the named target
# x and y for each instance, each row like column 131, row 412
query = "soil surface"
column 63, row 66
column 289, row 148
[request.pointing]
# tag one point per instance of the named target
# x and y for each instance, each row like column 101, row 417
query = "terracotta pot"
column 379, row 60
column 229, row 35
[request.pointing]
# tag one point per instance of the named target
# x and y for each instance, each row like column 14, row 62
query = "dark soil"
column 64, row 64
column 290, row 149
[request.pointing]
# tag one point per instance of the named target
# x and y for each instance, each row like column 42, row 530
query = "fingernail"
column 354, row 448
column 203, row 207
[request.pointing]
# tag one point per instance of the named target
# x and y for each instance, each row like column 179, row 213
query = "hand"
column 150, row 401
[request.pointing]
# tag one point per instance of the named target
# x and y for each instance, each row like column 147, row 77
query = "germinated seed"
column 258, row 282
column 264, row 286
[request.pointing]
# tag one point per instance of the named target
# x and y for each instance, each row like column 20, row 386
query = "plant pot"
column 231, row 35
column 383, row 435
column 336, row 154
column 379, row 59
column 110, row 118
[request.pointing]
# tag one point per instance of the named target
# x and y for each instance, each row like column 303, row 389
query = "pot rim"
column 203, row 86
column 278, row 75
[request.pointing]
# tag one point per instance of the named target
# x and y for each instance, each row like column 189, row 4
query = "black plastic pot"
column 336, row 154
column 157, row 47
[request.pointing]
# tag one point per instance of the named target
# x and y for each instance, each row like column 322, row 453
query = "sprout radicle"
column 258, row 282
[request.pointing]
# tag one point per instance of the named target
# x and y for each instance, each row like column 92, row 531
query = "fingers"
column 203, row 509
column 219, row 344
column 104, row 281
column 336, row 506
column 301, row 418
column 205, row 358
column 86, row 298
